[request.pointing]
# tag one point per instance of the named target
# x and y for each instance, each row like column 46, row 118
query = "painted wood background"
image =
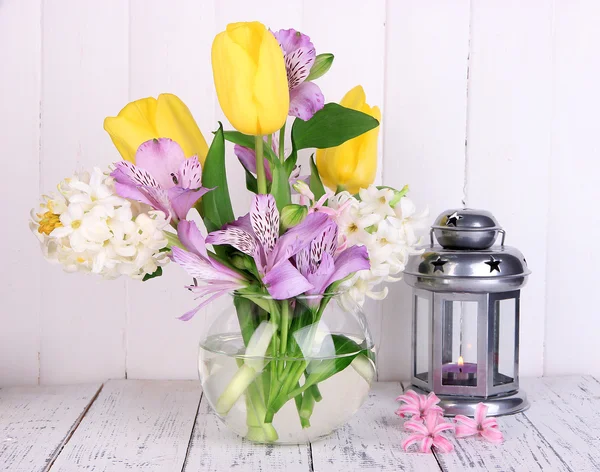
column 489, row 103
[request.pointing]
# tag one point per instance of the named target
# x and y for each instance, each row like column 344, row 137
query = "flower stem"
column 281, row 148
column 285, row 320
column 258, row 430
column 260, row 165
column 238, row 385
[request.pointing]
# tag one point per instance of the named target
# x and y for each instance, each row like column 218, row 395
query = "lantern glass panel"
column 459, row 343
column 504, row 341
column 422, row 336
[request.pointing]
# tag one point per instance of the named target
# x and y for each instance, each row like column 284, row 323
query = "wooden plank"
column 214, row 448
column 85, row 79
column 524, row 448
column 509, row 137
column 170, row 52
column 566, row 411
column 427, row 48
column 20, row 87
column 134, row 425
column 371, row 439
column 572, row 322
column 35, row 423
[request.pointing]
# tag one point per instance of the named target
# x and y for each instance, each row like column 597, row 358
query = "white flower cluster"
column 87, row 227
column 386, row 223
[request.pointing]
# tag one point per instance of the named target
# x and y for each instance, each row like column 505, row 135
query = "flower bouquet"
column 292, row 357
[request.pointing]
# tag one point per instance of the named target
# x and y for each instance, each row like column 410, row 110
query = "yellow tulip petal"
column 142, row 112
column 127, row 135
column 352, row 164
column 248, row 36
column 366, row 166
column 322, row 159
column 174, row 120
column 132, row 126
column 271, row 90
column 355, row 98
column 234, row 73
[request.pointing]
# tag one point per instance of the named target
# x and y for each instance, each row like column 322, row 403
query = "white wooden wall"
column 488, row 103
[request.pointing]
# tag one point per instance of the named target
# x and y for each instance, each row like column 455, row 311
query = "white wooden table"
column 143, row 425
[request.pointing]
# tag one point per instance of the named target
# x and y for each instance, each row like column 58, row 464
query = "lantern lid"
column 465, row 260
column 466, row 228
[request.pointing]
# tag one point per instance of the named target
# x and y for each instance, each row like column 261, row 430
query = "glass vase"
column 286, row 371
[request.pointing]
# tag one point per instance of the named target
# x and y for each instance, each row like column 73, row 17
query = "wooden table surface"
column 148, row 425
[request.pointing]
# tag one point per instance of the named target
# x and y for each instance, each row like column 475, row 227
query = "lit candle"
column 459, row 373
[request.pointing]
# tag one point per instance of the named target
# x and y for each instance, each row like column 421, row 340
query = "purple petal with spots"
column 324, row 243
column 321, row 277
column 156, row 197
column 305, row 100
column 247, row 157
column 183, row 199
column 284, row 281
column 189, row 174
column 239, row 238
column 205, row 268
column 298, row 237
column 264, row 218
column 162, row 158
column 129, row 174
column 298, row 64
column 290, row 40
column 243, row 222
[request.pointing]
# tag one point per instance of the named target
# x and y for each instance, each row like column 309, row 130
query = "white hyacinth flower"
column 87, row 227
column 385, row 221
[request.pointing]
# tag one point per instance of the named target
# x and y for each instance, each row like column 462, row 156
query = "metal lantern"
column 466, row 315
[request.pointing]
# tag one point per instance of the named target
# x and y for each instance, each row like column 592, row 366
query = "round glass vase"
column 286, row 371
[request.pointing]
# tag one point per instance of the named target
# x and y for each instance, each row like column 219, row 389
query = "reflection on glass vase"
column 286, row 371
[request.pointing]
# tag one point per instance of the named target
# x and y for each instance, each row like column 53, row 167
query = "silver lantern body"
column 466, row 298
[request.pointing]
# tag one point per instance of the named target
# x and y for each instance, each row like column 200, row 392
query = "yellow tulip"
column 250, row 78
column 150, row 118
column 352, row 164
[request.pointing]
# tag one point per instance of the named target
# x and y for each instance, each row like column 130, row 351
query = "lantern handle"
column 503, row 237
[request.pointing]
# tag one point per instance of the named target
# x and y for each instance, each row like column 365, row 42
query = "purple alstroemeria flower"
column 320, row 265
column 161, row 177
column 257, row 234
column 299, row 53
column 217, row 277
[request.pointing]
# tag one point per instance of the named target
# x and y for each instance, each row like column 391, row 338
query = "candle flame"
column 461, row 361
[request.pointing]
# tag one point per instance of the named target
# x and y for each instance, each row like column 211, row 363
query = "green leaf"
column 398, row 195
column 345, row 350
column 292, row 215
column 251, row 182
column 290, row 162
column 216, row 204
column 156, row 273
column 280, row 187
column 331, row 126
column 315, row 184
column 321, row 65
column 247, row 317
column 245, row 140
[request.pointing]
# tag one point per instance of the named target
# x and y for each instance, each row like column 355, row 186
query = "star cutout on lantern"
column 439, row 264
column 453, row 219
column 494, row 264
